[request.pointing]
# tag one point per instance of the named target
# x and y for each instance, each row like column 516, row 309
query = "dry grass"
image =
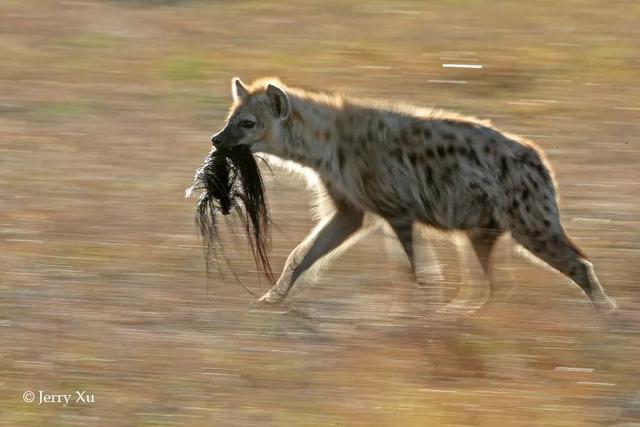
column 106, row 108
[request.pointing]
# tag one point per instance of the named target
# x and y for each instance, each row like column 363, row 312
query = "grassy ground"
column 106, row 109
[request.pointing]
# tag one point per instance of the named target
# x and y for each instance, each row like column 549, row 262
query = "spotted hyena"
column 407, row 166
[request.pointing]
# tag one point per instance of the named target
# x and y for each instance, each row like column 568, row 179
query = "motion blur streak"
column 106, row 108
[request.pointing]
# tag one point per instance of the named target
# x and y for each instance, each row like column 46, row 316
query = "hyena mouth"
column 230, row 181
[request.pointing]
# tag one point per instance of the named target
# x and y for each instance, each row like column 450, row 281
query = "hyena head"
column 256, row 118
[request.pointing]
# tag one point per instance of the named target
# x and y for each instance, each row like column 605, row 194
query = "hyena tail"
column 574, row 246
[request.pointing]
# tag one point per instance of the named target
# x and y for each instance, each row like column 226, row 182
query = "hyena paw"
column 271, row 297
column 604, row 304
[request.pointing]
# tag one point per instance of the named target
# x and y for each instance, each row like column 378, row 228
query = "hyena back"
column 407, row 166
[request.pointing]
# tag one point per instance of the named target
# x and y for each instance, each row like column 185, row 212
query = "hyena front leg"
column 326, row 237
column 422, row 258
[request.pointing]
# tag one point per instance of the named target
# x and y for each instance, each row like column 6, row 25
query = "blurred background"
column 106, row 110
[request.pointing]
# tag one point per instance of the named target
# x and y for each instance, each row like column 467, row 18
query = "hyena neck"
column 309, row 134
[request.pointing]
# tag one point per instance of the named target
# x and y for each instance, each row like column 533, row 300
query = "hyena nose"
column 215, row 140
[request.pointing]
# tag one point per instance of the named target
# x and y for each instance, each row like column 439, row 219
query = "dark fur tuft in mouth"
column 230, row 181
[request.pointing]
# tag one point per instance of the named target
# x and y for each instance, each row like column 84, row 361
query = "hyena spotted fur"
column 407, row 166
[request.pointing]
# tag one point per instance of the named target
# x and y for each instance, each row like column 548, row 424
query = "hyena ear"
column 238, row 89
column 279, row 101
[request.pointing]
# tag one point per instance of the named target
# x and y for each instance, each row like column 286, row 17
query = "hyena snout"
column 225, row 138
column 218, row 139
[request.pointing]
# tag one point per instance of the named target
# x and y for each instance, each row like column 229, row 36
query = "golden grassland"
column 106, row 109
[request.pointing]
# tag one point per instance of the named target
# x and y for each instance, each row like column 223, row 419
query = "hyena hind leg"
column 556, row 249
column 473, row 293
column 425, row 267
column 483, row 241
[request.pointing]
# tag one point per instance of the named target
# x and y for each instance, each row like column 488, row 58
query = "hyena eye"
column 247, row 124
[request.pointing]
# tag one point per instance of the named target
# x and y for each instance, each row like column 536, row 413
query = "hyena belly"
column 452, row 175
